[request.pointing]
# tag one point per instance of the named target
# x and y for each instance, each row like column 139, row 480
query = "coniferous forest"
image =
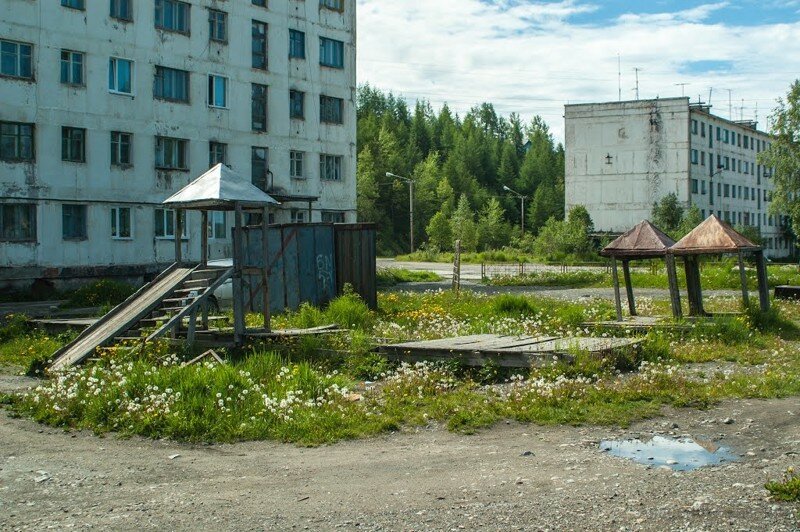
column 459, row 165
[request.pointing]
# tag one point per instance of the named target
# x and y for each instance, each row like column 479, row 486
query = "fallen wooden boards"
column 504, row 351
column 787, row 292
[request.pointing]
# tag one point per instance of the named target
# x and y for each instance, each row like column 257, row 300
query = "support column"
column 626, row 271
column 178, row 235
column 239, row 329
column 743, row 279
column 674, row 289
column 265, row 270
column 617, row 297
column 763, row 280
column 204, row 238
column 693, row 286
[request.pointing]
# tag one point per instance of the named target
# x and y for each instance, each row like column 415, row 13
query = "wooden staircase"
column 162, row 306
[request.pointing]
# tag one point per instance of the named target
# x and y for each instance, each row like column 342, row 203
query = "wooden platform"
column 505, row 351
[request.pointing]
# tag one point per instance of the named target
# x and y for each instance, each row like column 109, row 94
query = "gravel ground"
column 426, row 480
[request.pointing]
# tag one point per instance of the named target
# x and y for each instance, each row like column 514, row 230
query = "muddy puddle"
column 682, row 454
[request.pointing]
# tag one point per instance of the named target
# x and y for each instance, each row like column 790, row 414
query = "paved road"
column 470, row 272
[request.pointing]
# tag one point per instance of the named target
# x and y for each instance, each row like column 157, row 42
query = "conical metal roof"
column 220, row 189
column 711, row 237
column 643, row 241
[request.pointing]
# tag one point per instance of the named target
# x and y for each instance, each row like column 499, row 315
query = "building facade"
column 622, row 157
column 110, row 107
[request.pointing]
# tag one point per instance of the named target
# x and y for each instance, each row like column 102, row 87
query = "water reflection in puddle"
column 682, row 454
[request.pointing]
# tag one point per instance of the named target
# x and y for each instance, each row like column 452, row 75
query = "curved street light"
column 522, row 208
column 410, row 204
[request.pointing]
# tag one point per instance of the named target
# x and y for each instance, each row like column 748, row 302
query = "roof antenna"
column 619, row 76
column 637, row 69
column 683, row 88
column 710, row 93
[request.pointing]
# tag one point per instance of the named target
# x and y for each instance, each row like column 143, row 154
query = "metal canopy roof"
column 220, row 189
column 643, row 241
column 711, row 237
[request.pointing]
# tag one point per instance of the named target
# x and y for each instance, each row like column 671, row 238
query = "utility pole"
column 619, row 76
column 730, row 103
column 410, row 183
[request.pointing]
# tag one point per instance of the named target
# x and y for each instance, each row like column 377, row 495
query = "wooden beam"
column 674, row 289
column 743, row 279
column 693, row 286
column 626, row 272
column 617, row 296
column 178, row 233
column 239, row 326
column 763, row 280
column 265, row 271
column 204, row 238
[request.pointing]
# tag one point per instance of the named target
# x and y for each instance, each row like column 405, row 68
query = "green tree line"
column 459, row 166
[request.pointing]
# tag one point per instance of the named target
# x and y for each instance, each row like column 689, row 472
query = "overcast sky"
column 532, row 57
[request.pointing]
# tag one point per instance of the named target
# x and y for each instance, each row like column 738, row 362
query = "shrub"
column 511, row 304
column 349, row 311
column 100, row 293
column 787, row 489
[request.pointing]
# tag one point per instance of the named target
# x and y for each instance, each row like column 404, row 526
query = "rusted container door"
column 302, row 268
column 356, row 260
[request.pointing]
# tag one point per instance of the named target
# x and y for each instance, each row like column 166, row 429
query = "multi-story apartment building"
column 109, row 107
column 622, row 157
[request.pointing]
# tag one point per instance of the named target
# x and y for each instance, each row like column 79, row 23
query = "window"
column 259, row 161
column 15, row 59
column 296, row 163
column 121, row 223
column 331, row 53
column 297, row 44
column 17, row 222
column 298, row 216
column 331, row 110
column 16, row 141
column 332, row 217
column 336, row 5
column 259, row 45
column 217, row 91
column 727, row 190
column 171, row 84
column 694, row 127
column 258, row 107
column 702, row 129
column 71, row 67
column 747, row 193
column 172, row 15
column 217, row 25
column 73, row 222
column 695, row 186
column 733, row 192
column 702, row 158
column 217, row 225
column 165, row 223
column 217, row 153
column 330, row 167
column 74, row 4
column 121, row 10
column 73, row 144
column 703, row 189
column 695, row 157
column 120, row 76
column 262, row 3
column 171, row 153
column 121, row 147
column 297, row 104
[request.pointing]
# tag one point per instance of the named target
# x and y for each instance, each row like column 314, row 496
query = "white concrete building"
column 622, row 157
column 110, row 107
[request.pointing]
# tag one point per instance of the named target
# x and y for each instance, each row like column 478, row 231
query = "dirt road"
column 430, row 479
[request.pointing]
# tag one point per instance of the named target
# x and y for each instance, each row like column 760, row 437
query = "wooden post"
column 178, row 234
column 674, row 289
column 239, row 329
column 617, row 297
column 626, row 272
column 265, row 270
column 763, row 280
column 204, row 238
column 457, row 268
column 743, row 278
column 190, row 333
column 693, row 286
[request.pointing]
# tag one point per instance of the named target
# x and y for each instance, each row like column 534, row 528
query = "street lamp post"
column 410, row 204
column 522, row 208
column 711, row 183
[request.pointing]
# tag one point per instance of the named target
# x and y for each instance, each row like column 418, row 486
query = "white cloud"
column 528, row 57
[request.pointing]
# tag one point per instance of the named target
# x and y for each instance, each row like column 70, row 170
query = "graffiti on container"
column 325, row 272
